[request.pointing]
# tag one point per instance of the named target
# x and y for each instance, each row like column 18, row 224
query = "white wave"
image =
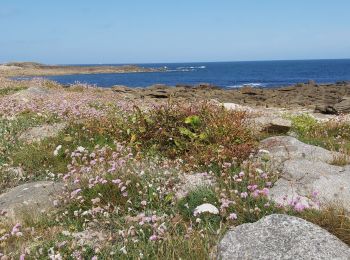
column 191, row 68
column 246, row 85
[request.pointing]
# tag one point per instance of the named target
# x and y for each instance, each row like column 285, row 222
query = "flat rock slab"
column 33, row 198
column 281, row 237
column 234, row 106
column 39, row 133
column 283, row 148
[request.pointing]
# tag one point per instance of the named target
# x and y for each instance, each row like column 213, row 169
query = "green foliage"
column 199, row 134
column 10, row 90
column 37, row 158
column 303, row 124
column 332, row 134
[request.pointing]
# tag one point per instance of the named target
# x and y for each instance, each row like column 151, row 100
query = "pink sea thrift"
column 232, row 216
column 153, row 238
column 244, row 195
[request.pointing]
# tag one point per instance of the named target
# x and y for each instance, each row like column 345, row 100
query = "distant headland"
column 13, row 69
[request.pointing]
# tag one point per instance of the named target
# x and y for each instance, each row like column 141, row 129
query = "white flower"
column 123, row 250
column 58, row 148
column 259, row 171
column 264, row 151
column 80, row 149
column 206, row 207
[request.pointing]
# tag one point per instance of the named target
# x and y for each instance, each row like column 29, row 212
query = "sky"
column 145, row 31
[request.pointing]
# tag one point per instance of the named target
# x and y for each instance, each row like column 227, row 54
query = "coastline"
column 305, row 95
column 20, row 69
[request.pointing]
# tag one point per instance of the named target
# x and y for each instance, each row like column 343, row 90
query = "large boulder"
column 307, row 178
column 343, row 106
column 281, row 237
column 30, row 198
column 39, row 133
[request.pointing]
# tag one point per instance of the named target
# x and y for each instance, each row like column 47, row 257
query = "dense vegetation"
column 123, row 168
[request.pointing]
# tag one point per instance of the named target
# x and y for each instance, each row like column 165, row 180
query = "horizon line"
column 173, row 62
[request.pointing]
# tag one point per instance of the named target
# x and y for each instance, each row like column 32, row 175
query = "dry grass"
column 333, row 219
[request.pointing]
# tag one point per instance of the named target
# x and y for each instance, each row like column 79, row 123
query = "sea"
column 264, row 74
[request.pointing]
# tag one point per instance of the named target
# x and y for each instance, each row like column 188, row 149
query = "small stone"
column 32, row 198
column 39, row 133
column 190, row 182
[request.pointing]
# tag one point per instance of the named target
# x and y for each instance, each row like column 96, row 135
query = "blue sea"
column 224, row 74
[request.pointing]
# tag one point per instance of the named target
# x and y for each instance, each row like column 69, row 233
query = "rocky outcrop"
column 342, row 107
column 307, row 179
column 283, row 148
column 39, row 133
column 30, row 198
column 281, row 237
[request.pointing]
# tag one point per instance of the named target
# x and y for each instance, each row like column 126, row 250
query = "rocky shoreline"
column 324, row 98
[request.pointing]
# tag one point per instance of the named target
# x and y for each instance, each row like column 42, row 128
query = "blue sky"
column 130, row 31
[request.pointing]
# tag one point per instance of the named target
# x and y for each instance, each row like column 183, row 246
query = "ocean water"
column 224, row 74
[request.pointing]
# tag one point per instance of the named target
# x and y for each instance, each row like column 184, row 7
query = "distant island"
column 14, row 69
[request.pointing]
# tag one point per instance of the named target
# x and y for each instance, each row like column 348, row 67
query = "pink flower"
column 244, row 195
column 241, row 174
column 299, row 207
column 75, row 192
column 315, row 194
column 232, row 216
column 252, row 187
column 16, row 229
column 153, row 238
column 265, row 191
column 117, row 181
column 256, row 193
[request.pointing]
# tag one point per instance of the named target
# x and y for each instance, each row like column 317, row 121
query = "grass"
column 333, row 219
column 38, row 157
column 10, row 90
column 10, row 129
column 333, row 135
